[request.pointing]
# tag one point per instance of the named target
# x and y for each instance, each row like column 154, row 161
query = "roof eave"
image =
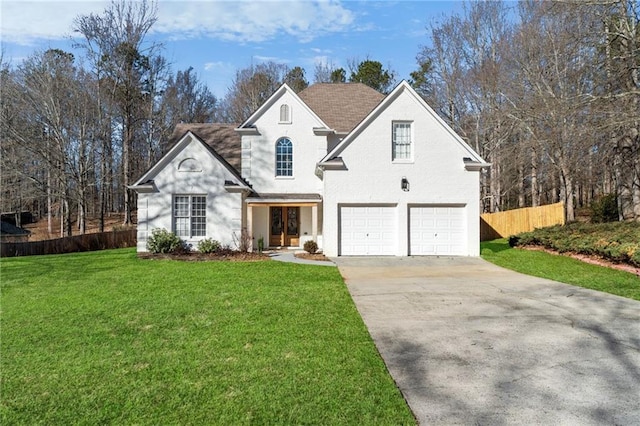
column 474, row 166
column 323, row 131
column 332, row 164
column 144, row 188
column 247, row 130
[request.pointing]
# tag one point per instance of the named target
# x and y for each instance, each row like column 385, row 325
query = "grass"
column 105, row 337
column 561, row 268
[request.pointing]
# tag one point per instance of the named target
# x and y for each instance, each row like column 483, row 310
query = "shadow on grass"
column 494, row 246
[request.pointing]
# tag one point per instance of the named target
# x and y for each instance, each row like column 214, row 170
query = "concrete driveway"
column 468, row 342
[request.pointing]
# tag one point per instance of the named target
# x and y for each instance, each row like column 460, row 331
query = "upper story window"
column 402, row 141
column 285, row 113
column 284, row 157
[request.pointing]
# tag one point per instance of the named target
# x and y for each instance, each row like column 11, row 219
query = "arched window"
column 284, row 157
column 285, row 113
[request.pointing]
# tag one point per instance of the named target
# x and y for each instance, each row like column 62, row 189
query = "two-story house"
column 356, row 171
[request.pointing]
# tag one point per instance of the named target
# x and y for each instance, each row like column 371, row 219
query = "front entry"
column 285, row 224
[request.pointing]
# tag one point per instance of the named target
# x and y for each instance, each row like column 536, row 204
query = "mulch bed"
column 309, row 256
column 594, row 260
column 232, row 256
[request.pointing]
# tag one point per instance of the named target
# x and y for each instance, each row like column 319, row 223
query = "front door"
column 285, row 222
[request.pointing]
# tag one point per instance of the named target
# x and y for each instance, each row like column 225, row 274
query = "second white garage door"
column 368, row 230
column 437, row 231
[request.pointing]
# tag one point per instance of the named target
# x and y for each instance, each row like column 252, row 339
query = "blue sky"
column 217, row 38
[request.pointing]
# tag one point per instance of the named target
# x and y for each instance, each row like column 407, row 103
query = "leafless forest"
column 548, row 92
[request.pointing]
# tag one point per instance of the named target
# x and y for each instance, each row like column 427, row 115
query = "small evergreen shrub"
column 310, row 246
column 163, row 241
column 209, row 245
column 616, row 241
column 605, row 209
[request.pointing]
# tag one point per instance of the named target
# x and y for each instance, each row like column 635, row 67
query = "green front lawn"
column 561, row 268
column 105, row 337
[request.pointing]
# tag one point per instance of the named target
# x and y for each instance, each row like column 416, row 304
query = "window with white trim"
column 402, row 141
column 285, row 113
column 190, row 215
column 284, row 157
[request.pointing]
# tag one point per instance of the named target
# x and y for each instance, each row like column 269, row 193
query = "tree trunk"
column 49, row 204
column 567, row 190
column 494, row 183
column 126, row 154
column 535, row 190
column 521, row 197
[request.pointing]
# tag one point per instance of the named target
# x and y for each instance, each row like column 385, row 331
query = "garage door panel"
column 368, row 230
column 437, row 231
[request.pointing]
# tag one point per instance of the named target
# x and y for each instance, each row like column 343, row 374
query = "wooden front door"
column 285, row 224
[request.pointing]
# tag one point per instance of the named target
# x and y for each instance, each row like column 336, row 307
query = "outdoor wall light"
column 404, row 184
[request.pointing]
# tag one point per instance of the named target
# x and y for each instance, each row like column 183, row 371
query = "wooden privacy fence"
column 85, row 242
column 511, row 222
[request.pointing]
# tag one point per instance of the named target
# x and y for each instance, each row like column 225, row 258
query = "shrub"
column 209, row 245
column 163, row 241
column 605, row 209
column 310, row 246
column 243, row 241
column 616, row 241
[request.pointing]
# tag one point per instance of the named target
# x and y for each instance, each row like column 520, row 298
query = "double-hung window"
column 190, row 215
column 402, row 141
column 284, row 157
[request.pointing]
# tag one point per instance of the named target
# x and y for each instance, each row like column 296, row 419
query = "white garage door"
column 368, row 230
column 437, row 231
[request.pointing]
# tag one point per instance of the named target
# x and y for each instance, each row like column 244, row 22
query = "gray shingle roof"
column 341, row 105
column 221, row 137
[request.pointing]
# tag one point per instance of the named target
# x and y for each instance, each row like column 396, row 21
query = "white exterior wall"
column 436, row 175
column 260, row 226
column 224, row 209
column 258, row 151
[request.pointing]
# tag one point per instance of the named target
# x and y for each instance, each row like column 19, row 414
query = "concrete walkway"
column 289, row 256
column 471, row 343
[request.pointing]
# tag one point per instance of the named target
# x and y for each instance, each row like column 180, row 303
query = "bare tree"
column 251, row 87
column 115, row 44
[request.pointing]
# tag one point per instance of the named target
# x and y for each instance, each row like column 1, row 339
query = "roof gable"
column 402, row 87
column 220, row 137
column 180, row 145
column 249, row 122
column 341, row 105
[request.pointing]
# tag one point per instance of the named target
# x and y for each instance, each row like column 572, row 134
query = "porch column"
column 250, row 225
column 314, row 222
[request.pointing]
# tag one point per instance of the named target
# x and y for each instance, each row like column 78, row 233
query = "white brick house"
column 358, row 172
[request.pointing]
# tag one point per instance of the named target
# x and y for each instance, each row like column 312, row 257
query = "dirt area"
column 594, row 260
column 39, row 230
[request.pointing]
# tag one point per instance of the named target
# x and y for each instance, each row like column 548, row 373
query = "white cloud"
column 271, row 59
column 217, row 65
column 320, row 51
column 25, row 22
column 252, row 21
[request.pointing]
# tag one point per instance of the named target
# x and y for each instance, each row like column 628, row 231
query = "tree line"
column 547, row 92
column 75, row 132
